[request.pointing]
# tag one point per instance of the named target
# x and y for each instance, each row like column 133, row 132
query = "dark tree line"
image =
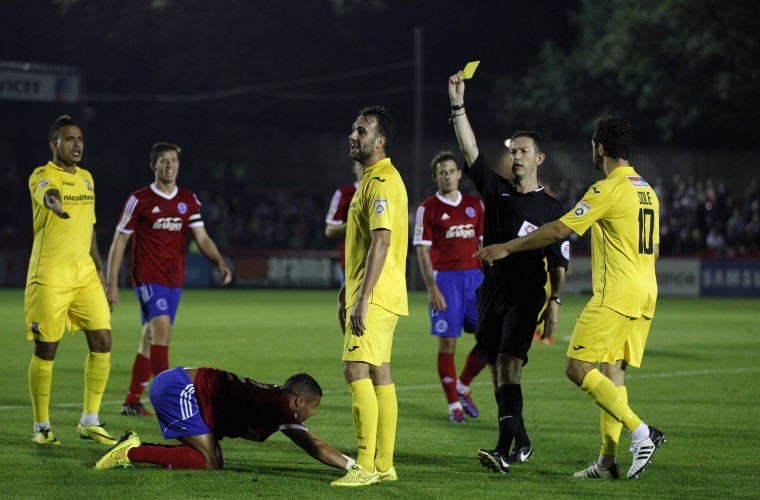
column 686, row 72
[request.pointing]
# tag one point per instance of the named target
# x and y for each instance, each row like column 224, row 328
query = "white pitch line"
column 692, row 373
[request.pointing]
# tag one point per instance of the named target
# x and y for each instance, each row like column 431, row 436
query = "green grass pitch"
column 699, row 384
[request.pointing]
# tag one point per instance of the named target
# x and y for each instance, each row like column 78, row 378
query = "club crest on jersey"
column 526, row 228
column 36, row 327
column 182, row 207
column 637, row 181
column 581, row 209
column 565, row 250
column 43, row 183
column 380, row 206
column 162, row 305
column 441, row 325
column 89, row 186
column 470, row 212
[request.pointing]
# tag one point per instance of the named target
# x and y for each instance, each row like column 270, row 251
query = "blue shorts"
column 157, row 300
column 458, row 288
column 172, row 395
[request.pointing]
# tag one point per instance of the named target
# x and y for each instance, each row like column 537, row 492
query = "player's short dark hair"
column 385, row 124
column 441, row 157
column 304, row 385
column 58, row 124
column 160, row 148
column 615, row 134
column 538, row 142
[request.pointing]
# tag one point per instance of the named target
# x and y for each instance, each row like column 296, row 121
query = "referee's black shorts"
column 507, row 319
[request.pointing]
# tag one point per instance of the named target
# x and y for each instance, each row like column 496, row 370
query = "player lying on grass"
column 200, row 406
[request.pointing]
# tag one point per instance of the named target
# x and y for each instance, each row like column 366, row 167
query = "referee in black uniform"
column 513, row 290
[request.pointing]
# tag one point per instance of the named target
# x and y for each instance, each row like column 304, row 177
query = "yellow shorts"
column 374, row 347
column 604, row 335
column 49, row 310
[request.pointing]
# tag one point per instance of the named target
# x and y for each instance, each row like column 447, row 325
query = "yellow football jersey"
column 380, row 202
column 61, row 248
column 624, row 214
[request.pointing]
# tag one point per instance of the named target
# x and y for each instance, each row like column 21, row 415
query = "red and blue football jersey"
column 238, row 407
column 159, row 223
column 453, row 228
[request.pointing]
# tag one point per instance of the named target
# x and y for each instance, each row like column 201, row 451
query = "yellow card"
column 469, row 70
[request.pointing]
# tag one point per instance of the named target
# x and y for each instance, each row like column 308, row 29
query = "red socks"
column 448, row 374
column 472, row 367
column 171, row 457
column 141, row 371
column 159, row 358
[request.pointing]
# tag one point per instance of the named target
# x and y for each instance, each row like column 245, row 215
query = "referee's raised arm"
column 462, row 128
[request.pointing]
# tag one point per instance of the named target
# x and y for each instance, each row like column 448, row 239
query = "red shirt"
column 339, row 204
column 451, row 229
column 159, row 222
column 235, row 406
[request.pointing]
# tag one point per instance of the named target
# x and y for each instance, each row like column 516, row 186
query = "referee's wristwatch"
column 556, row 299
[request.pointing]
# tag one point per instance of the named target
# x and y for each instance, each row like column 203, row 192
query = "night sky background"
column 261, row 94
column 294, row 73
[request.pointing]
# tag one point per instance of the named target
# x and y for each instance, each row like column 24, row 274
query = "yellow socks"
column 40, row 380
column 610, row 428
column 387, row 407
column 96, row 371
column 607, row 396
column 365, row 414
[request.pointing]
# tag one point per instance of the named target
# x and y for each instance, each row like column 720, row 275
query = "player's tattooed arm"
column 53, row 202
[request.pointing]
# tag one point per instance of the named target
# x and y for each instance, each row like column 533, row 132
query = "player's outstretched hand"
column 53, row 202
column 489, row 254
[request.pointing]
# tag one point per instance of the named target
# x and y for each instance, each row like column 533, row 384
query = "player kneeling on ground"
column 200, row 406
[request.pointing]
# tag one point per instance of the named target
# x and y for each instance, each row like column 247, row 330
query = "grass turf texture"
column 699, row 384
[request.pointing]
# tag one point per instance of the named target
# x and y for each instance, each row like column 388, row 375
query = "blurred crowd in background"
column 699, row 217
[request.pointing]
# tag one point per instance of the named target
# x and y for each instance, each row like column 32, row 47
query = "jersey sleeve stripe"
column 418, row 220
column 129, row 208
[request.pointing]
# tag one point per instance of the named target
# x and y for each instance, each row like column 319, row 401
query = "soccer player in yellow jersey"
column 373, row 296
column 64, row 287
column 623, row 213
